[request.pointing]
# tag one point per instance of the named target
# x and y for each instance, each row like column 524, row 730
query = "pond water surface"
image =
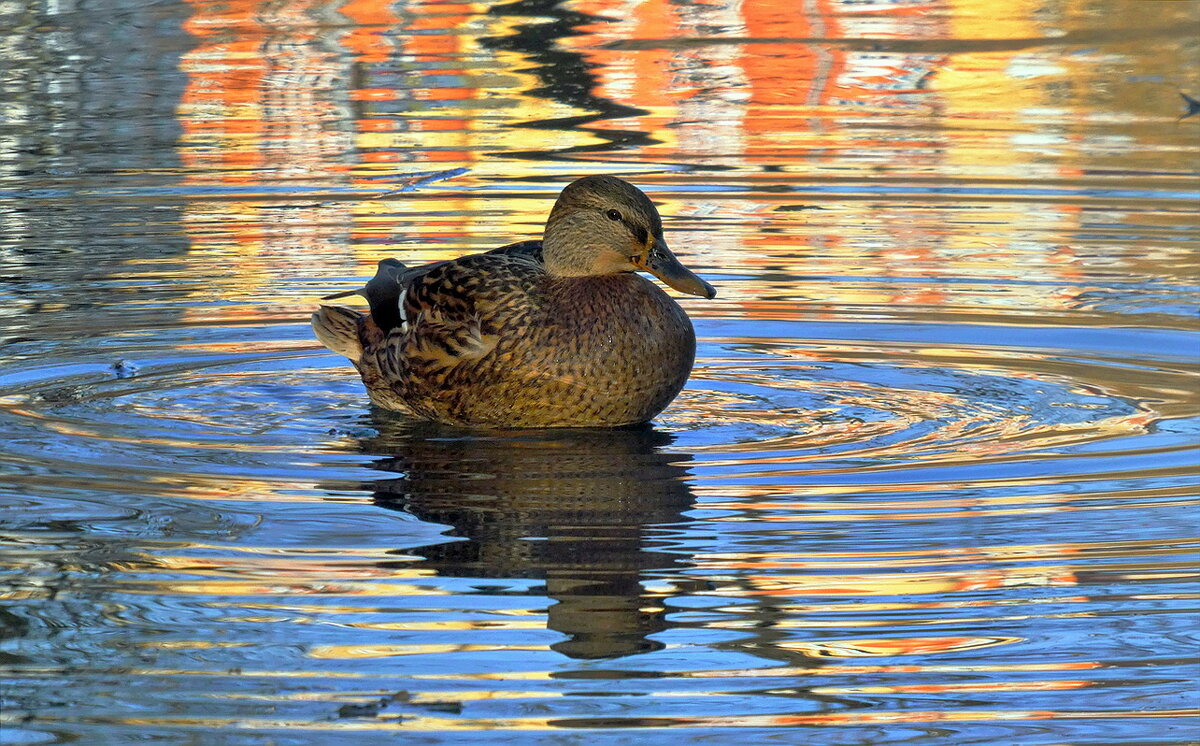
column 933, row 479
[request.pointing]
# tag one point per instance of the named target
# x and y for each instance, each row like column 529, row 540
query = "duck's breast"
column 606, row 351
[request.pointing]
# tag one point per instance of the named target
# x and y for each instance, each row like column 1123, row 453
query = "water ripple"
column 933, row 479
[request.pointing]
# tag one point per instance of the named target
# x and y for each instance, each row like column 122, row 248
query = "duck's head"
column 602, row 225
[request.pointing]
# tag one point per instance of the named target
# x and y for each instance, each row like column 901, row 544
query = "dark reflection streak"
column 567, row 78
column 575, row 508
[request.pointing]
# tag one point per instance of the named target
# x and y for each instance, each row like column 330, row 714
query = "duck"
column 557, row 332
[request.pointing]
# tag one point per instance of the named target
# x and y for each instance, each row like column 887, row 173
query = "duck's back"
column 491, row 339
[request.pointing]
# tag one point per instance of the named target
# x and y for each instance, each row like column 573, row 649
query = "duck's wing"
column 531, row 250
column 384, row 291
column 453, row 312
column 448, row 305
column 481, row 288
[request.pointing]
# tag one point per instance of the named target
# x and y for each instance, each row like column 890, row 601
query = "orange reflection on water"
column 346, row 652
column 365, row 94
column 762, row 80
column 260, row 95
column 861, row 648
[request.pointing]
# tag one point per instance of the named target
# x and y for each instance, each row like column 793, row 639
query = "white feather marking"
column 403, row 316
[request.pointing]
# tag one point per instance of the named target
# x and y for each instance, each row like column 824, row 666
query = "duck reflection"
column 573, row 507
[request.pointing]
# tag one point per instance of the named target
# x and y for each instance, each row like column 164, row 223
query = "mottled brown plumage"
column 554, row 333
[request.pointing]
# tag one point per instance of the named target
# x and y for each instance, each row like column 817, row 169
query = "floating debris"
column 124, row 369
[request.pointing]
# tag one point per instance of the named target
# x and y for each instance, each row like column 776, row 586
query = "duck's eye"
column 613, row 215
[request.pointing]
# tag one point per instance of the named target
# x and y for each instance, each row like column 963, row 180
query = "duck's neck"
column 565, row 260
column 572, row 248
column 596, row 297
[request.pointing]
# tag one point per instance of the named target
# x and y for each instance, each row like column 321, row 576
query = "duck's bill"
column 662, row 264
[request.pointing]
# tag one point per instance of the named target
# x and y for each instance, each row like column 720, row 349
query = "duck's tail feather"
column 338, row 329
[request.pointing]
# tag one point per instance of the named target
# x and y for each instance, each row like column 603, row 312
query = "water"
column 933, row 479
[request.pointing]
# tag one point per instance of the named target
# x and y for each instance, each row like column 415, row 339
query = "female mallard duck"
column 560, row 332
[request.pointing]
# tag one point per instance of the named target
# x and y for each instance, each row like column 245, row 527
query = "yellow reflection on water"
column 450, row 624
column 957, row 555
column 892, row 584
column 982, row 686
column 346, row 652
